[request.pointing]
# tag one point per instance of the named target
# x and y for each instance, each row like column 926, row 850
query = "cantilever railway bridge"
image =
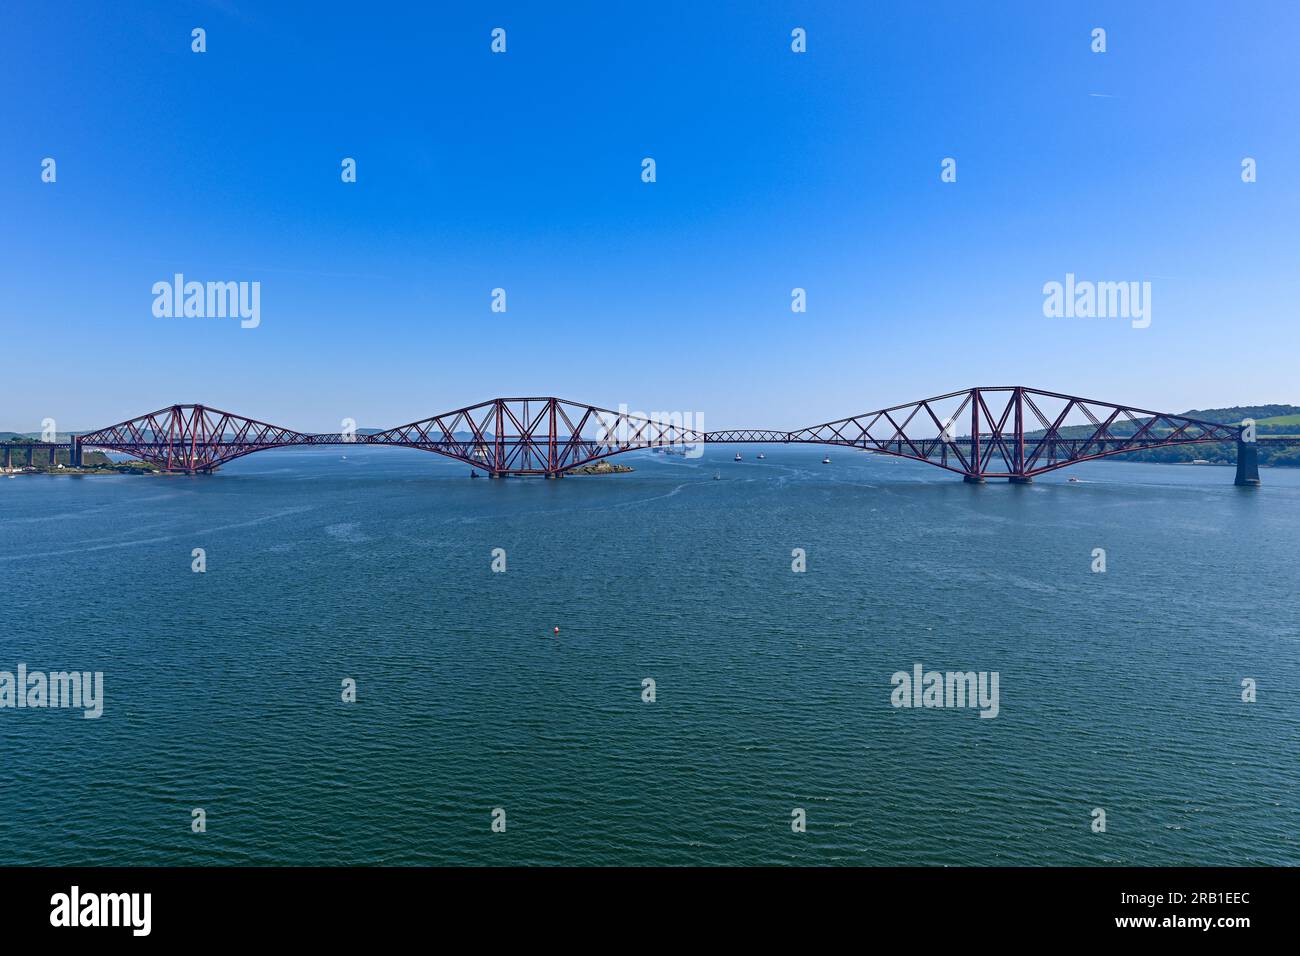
column 1008, row 432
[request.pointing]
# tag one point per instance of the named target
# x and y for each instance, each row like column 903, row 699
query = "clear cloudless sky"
column 523, row 171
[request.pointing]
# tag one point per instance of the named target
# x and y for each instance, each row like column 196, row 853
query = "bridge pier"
column 1020, row 480
column 1247, row 464
column 9, row 456
column 973, row 479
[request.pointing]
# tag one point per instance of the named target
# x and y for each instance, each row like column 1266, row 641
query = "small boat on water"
column 716, row 476
column 826, row 460
column 761, row 456
column 1072, row 479
column 737, row 458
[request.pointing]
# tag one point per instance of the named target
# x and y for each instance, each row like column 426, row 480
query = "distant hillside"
column 1263, row 415
column 1288, row 421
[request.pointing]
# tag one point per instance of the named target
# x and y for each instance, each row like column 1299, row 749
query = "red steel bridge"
column 1007, row 432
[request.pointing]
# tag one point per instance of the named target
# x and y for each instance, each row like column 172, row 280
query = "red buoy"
column 557, row 630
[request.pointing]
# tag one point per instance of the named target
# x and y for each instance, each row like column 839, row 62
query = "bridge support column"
column 1020, row 480
column 973, row 479
column 1247, row 464
column 9, row 456
column 52, row 456
column 74, row 454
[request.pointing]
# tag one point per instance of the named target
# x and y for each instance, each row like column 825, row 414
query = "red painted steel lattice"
column 999, row 432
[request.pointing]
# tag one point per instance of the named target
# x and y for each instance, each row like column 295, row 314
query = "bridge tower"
column 1018, row 440
column 975, row 476
column 1247, row 464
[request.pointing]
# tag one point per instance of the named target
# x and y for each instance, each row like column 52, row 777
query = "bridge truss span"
column 535, row 436
column 503, row 436
column 189, row 438
column 1010, row 432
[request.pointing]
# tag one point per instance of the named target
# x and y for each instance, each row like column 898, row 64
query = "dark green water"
column 1119, row 690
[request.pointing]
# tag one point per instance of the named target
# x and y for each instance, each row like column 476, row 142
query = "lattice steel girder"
column 998, row 437
column 190, row 438
column 1001, row 431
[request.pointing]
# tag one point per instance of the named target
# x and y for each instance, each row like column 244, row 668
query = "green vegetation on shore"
column 92, row 462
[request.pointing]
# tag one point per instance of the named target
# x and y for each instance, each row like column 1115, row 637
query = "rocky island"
column 601, row 468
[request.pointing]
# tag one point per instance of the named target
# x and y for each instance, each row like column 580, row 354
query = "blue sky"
column 522, row 171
